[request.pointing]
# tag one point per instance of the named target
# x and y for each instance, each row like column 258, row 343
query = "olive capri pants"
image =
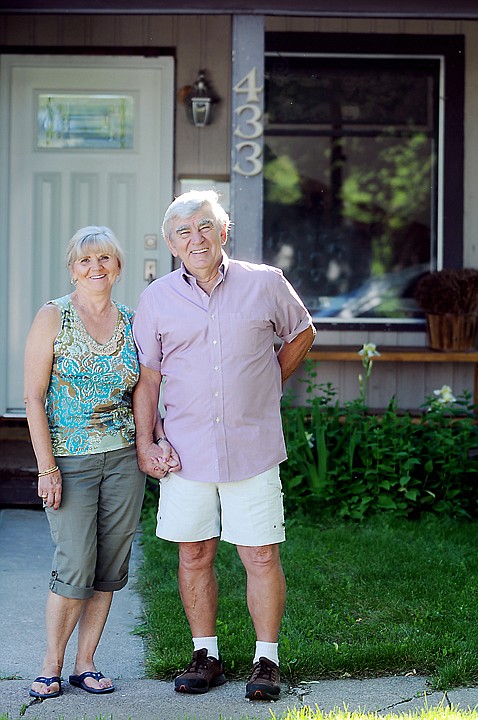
column 94, row 527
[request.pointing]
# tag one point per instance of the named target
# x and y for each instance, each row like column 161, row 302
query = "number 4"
column 248, row 85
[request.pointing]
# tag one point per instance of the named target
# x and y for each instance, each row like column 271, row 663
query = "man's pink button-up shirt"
column 222, row 380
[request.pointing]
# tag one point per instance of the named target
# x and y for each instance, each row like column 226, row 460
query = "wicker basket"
column 452, row 332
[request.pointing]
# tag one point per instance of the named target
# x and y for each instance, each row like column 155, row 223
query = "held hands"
column 163, row 459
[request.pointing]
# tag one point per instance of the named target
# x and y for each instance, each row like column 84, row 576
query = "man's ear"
column 224, row 234
column 172, row 247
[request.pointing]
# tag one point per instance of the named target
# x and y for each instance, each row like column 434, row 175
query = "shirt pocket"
column 249, row 334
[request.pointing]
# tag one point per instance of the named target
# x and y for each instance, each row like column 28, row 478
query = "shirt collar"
column 223, row 268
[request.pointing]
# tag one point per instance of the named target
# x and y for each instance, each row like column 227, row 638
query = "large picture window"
column 353, row 179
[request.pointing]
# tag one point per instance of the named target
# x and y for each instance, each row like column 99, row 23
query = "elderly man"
column 208, row 329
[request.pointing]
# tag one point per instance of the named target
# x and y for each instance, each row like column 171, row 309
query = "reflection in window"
column 350, row 180
column 94, row 121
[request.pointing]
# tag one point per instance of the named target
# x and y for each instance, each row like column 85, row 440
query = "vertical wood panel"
column 75, row 31
column 104, row 30
column 46, row 223
column 122, row 194
column 204, row 151
column 122, row 201
column 216, row 57
column 383, row 338
column 382, row 385
column 393, row 26
column 84, row 199
column 327, row 372
column 462, row 378
column 188, row 138
column 160, row 30
column 18, row 30
column 412, row 339
column 129, row 30
column 437, row 375
column 410, row 385
column 47, row 30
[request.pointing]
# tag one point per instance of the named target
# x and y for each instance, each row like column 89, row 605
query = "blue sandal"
column 47, row 681
column 79, row 681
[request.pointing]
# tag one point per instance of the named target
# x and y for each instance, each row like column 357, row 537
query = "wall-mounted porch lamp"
column 199, row 102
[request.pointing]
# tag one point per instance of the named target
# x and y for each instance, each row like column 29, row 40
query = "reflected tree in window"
column 349, row 181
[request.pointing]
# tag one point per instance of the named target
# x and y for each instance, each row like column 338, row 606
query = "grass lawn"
column 433, row 714
column 314, row 714
column 364, row 599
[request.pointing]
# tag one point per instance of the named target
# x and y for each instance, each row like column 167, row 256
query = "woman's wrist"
column 48, row 471
column 160, row 439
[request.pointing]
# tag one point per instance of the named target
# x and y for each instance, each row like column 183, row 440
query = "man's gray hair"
column 191, row 202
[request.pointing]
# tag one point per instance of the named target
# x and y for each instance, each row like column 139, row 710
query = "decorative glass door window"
column 96, row 121
column 351, row 181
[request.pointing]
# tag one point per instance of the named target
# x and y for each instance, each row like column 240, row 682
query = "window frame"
column 449, row 49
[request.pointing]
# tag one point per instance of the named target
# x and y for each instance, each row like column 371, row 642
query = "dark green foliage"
column 345, row 462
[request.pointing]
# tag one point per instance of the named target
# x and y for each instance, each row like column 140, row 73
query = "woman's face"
column 95, row 271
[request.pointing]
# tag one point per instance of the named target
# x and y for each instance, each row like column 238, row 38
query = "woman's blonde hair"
column 96, row 239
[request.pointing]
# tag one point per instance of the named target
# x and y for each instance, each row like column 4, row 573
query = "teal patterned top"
column 89, row 398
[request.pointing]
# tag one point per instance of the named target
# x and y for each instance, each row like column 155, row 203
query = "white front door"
column 89, row 142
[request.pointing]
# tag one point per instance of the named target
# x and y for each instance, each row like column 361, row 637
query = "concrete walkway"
column 26, row 551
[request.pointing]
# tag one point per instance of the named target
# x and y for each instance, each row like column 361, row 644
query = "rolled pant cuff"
column 107, row 586
column 70, row 591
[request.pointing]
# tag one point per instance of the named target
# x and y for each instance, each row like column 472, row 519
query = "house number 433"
column 248, row 126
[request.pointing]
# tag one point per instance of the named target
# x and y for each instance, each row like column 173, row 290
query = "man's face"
column 197, row 241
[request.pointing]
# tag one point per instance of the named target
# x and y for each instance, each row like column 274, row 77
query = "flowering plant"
column 444, row 397
column 350, row 463
column 368, row 353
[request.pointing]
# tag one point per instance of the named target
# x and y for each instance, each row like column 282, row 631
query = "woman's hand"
column 165, row 458
column 49, row 489
column 157, row 460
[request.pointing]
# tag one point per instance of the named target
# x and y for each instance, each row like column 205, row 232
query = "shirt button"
column 214, row 342
column 213, row 317
column 216, row 367
column 216, row 393
column 218, row 419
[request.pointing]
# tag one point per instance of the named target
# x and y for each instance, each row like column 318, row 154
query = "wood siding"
column 204, row 42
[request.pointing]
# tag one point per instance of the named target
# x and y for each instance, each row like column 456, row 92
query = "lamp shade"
column 199, row 102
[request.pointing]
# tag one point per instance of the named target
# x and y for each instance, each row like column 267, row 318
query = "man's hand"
column 156, row 460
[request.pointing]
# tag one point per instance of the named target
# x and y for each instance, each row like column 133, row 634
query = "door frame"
column 108, row 58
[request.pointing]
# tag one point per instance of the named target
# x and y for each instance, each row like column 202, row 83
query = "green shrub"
column 345, row 461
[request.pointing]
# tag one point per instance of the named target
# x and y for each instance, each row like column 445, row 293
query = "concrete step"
column 18, row 468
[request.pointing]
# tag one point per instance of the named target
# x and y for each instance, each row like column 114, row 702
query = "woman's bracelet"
column 158, row 440
column 49, row 471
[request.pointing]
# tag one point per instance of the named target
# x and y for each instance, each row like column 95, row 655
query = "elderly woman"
column 80, row 371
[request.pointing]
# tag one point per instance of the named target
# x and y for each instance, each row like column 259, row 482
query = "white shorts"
column 249, row 512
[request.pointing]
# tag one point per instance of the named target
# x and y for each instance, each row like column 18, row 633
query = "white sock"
column 268, row 650
column 210, row 643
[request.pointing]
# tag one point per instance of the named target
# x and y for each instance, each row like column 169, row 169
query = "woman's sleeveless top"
column 89, row 398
